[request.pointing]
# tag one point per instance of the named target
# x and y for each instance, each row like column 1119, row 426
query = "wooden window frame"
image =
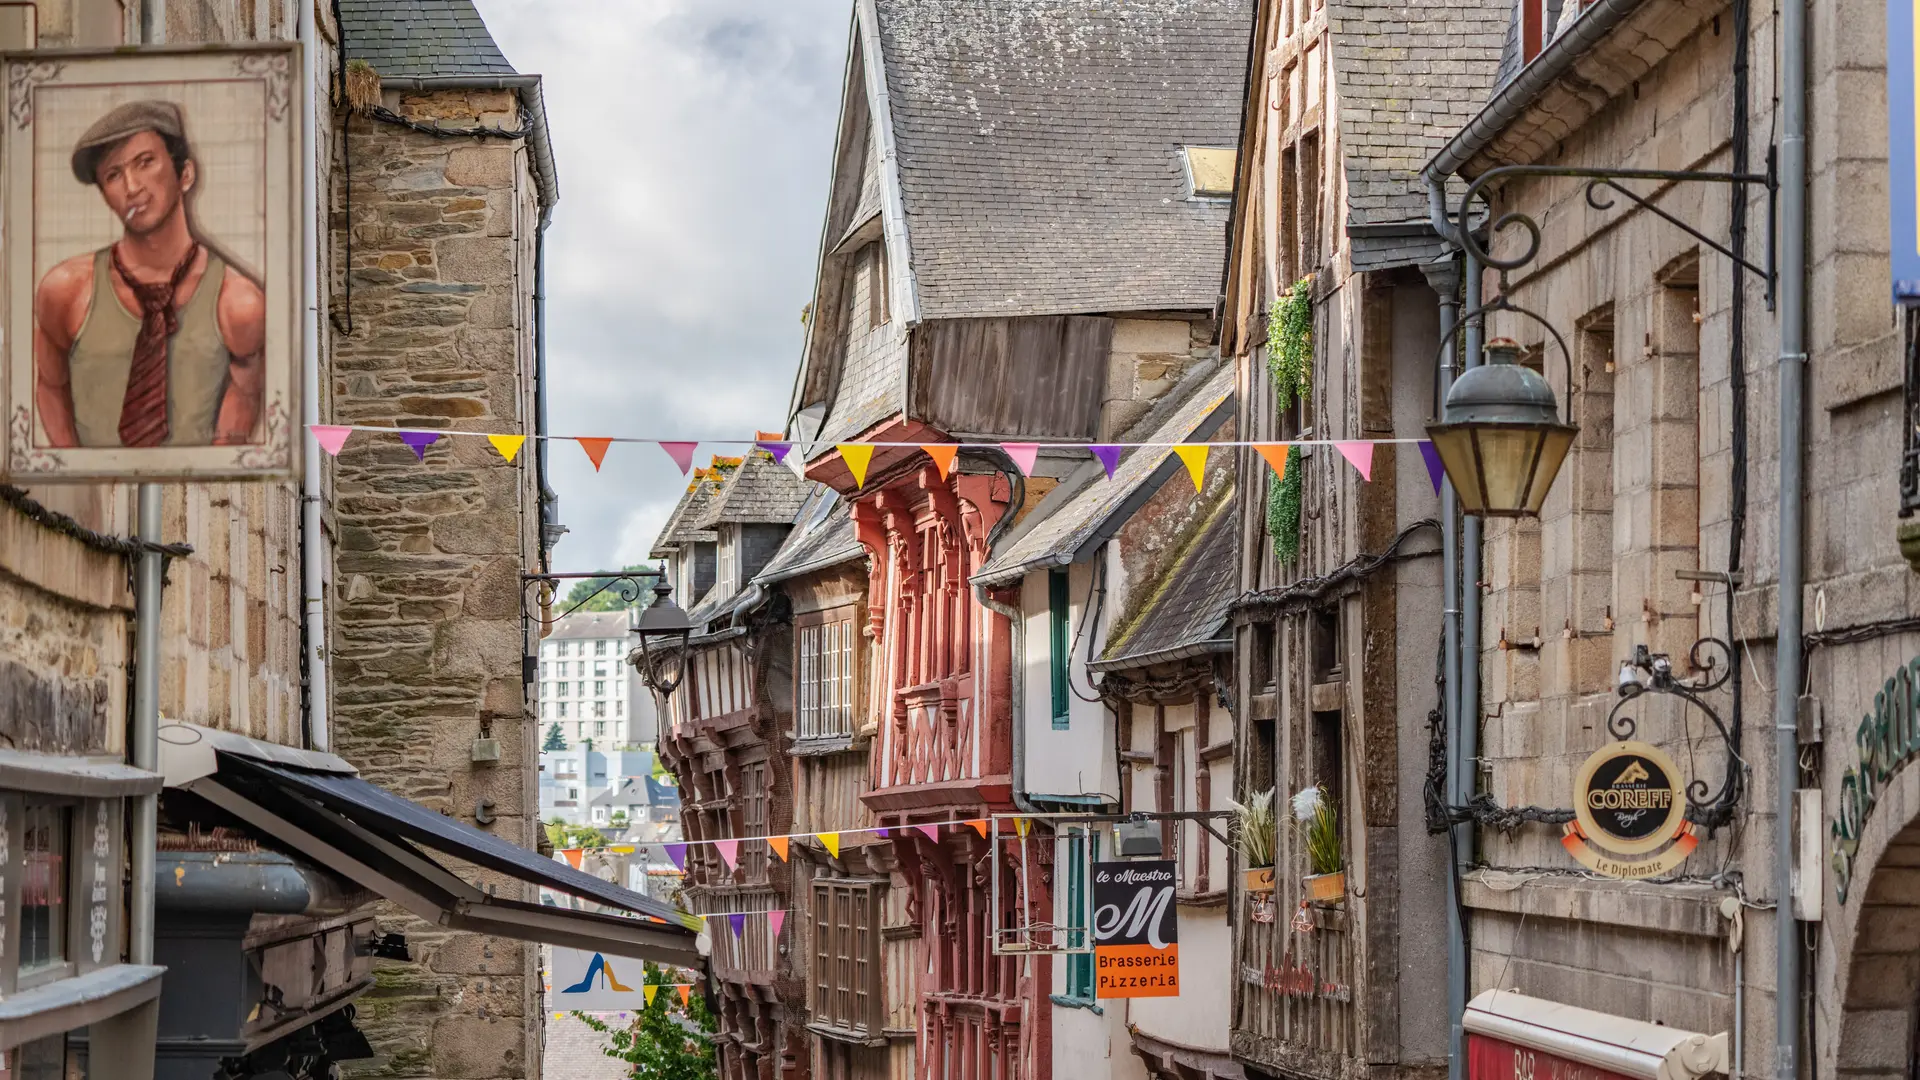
column 826, row 668
column 844, row 986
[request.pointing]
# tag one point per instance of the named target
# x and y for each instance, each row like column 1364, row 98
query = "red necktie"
column 143, row 415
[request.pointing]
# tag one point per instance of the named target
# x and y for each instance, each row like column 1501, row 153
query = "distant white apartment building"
column 587, row 687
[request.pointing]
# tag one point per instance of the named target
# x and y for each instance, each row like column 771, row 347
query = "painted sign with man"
column 152, row 237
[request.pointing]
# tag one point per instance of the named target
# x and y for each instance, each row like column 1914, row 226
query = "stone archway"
column 1876, row 943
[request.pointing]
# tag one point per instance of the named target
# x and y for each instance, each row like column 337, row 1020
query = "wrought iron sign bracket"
column 1600, row 182
column 538, row 590
column 1652, row 673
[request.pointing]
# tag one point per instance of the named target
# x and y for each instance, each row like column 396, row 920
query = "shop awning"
column 1561, row 1042
column 313, row 804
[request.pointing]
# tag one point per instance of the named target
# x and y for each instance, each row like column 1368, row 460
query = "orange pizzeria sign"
column 1136, row 930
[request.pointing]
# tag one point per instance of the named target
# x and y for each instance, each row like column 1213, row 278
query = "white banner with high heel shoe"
column 587, row 981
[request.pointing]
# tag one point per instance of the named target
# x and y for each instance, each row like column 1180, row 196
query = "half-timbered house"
column 1335, row 324
column 724, row 737
column 1024, row 227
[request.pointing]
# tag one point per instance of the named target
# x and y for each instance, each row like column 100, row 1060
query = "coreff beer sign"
column 1136, row 930
column 1630, row 817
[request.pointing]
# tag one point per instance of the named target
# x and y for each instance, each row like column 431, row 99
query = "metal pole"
column 1788, row 676
column 313, row 542
column 1450, row 672
column 1467, row 692
column 144, row 739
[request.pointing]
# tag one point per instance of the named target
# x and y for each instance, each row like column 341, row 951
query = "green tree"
column 608, row 600
column 667, row 1040
column 555, row 740
column 563, row 835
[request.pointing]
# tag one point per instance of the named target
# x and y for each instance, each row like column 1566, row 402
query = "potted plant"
column 1254, row 831
column 1319, row 824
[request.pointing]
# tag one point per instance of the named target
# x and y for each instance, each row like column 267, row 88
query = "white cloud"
column 693, row 140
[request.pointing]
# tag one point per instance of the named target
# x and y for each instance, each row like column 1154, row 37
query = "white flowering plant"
column 1254, row 828
column 1319, row 824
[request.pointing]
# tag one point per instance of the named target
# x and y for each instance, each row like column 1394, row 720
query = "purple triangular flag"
column 882, row 833
column 1109, row 456
column 678, row 853
column 420, row 440
column 739, row 924
column 777, row 449
column 1435, row 471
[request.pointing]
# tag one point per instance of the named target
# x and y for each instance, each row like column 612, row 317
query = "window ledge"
column 77, row 1002
column 846, row 1035
column 821, row 745
column 1088, row 1004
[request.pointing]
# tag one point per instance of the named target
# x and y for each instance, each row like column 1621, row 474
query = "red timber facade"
column 724, row 736
column 1013, row 280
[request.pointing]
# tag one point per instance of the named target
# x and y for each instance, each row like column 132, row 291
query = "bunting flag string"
column 781, row 844
column 596, row 450
column 686, row 993
column 942, row 455
column 507, row 445
column 1194, row 456
column 1023, row 454
column 830, row 841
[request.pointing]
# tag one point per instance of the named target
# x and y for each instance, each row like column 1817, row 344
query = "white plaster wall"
column 1078, row 760
column 1095, row 1044
column 1198, row 1017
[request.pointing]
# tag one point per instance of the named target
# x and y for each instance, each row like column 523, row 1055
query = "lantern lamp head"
column 664, row 630
column 1500, row 436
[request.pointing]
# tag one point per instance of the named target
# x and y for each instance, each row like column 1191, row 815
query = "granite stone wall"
column 427, row 638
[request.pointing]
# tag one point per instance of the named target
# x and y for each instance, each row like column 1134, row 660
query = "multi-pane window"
column 600, row 727
column 753, row 804
column 599, row 708
column 619, row 708
column 599, row 648
column 43, row 888
column 599, row 688
column 562, row 707
column 826, row 677
column 579, row 689
column 846, row 955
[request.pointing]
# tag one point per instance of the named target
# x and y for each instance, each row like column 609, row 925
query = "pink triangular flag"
column 729, row 850
column 682, row 454
column 776, row 920
column 932, row 831
column 1023, row 455
column 330, row 438
column 1360, row 455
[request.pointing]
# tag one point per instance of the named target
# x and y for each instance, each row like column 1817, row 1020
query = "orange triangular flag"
column 1195, row 457
column 857, row 456
column 1276, row 455
column 686, row 993
column 596, row 450
column 508, row 445
column 979, row 827
column 942, row 455
column 573, row 855
column 779, row 846
column 831, row 840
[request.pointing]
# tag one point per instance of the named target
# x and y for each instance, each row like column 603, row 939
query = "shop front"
column 1511, row 1035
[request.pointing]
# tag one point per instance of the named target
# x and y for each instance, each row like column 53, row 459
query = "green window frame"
column 1057, row 602
column 1085, row 849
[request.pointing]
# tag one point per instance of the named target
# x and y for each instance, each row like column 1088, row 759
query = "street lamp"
column 664, row 630
column 1501, row 438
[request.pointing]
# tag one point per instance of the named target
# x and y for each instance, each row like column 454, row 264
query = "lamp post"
column 1500, row 436
column 664, row 630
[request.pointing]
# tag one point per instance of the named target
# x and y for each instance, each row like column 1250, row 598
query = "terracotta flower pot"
column 1325, row 888
column 1259, row 879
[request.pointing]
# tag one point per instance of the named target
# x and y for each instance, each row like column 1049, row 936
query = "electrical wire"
column 24, row 504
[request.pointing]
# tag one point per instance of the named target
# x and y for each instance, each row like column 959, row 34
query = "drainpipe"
column 313, row 541
column 1788, row 659
column 1467, row 701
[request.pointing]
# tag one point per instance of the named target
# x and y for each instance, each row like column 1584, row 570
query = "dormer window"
column 1210, row 171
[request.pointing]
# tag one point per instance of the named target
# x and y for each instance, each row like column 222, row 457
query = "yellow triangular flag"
column 649, row 991
column 779, row 846
column 1022, row 826
column 1195, row 455
column 508, row 445
column 1276, row 455
column 857, row 456
column 831, row 840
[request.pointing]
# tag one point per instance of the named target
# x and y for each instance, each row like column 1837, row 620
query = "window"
column 826, row 675
column 599, row 708
column 754, row 819
column 45, row 1059
column 562, row 707
column 846, row 954
column 600, row 727
column 619, row 708
column 1057, row 609
column 599, row 648
column 600, row 670
column 877, row 284
column 600, row 688
column 1082, row 847
column 43, row 888
column 579, row 689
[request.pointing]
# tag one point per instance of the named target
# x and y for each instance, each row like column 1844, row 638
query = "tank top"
column 102, row 356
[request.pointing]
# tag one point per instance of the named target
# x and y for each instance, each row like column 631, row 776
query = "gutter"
column 1209, row 647
column 545, row 176
column 1525, row 88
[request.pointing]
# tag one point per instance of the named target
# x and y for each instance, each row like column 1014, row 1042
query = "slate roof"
column 1073, row 513
column 1039, row 149
column 1191, row 605
column 421, row 39
column 683, row 525
column 1409, row 76
column 590, row 625
column 822, row 537
column 760, row 491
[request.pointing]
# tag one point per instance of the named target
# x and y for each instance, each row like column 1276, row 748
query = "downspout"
column 313, row 543
column 1788, row 658
column 550, row 528
column 1018, row 618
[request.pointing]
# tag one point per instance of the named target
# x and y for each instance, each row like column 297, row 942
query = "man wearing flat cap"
column 153, row 340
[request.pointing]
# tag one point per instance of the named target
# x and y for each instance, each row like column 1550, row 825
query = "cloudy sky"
column 693, row 139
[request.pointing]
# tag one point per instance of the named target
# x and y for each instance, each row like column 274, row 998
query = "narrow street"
column 979, row 540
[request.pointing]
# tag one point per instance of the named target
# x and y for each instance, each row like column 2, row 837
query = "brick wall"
column 427, row 640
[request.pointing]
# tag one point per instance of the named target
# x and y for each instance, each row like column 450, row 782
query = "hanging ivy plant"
column 1290, row 343
column 1283, row 508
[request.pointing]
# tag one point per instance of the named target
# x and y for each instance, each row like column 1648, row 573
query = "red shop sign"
column 1496, row 1059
